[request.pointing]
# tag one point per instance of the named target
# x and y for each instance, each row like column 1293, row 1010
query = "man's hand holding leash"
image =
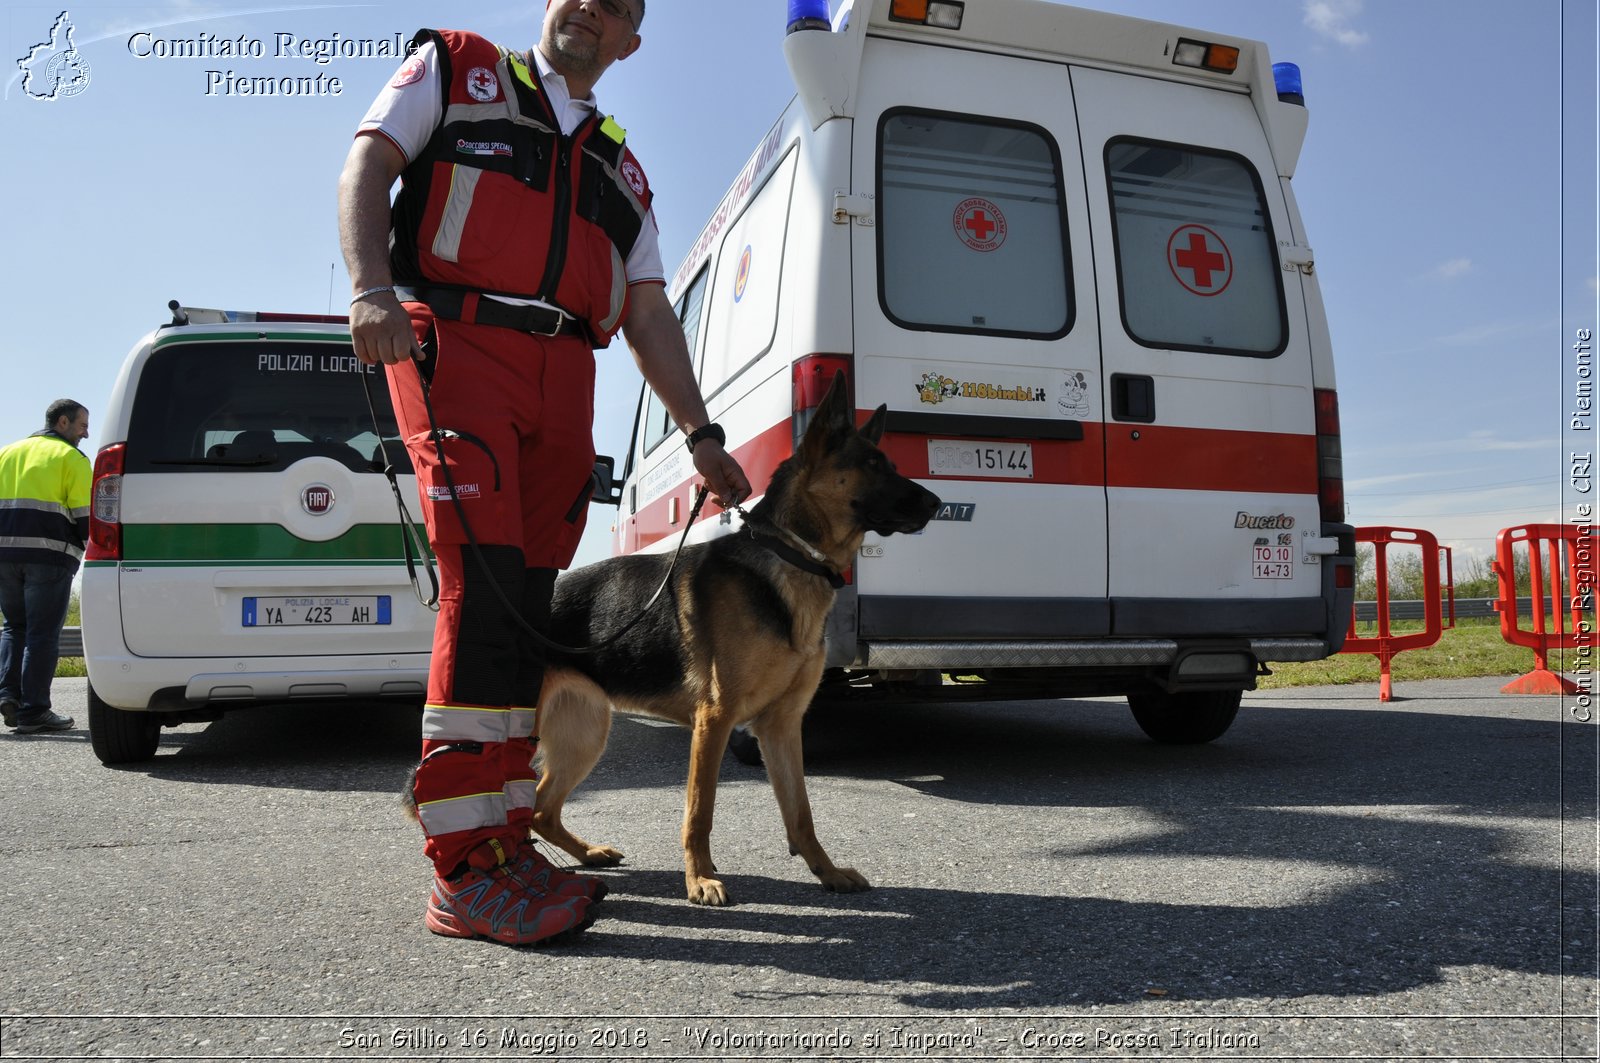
column 381, row 330
column 723, row 476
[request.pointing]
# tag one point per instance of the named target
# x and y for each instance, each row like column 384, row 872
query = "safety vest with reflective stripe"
column 44, row 501
column 501, row 201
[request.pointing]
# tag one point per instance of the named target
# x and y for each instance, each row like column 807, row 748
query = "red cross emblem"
column 482, row 85
column 1199, row 259
column 980, row 224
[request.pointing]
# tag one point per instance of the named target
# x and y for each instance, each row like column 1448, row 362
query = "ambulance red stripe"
column 1161, row 457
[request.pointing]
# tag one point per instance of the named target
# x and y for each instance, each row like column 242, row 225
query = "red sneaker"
column 531, row 866
column 493, row 902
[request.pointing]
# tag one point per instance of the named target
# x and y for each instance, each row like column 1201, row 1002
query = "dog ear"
column 873, row 429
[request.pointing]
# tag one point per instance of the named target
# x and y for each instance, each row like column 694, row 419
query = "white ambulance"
column 1063, row 247
column 244, row 544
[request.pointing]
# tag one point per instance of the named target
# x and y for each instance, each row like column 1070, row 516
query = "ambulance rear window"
column 1197, row 269
column 971, row 233
column 257, row 406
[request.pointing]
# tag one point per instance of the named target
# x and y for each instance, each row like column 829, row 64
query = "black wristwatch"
column 713, row 430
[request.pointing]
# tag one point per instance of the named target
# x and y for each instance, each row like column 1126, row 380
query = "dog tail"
column 408, row 798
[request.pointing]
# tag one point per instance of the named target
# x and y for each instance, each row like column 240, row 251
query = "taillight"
column 1330, row 457
column 813, row 376
column 105, row 505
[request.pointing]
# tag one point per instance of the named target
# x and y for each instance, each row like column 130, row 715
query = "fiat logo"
column 316, row 499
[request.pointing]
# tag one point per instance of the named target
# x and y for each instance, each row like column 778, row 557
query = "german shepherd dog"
column 736, row 640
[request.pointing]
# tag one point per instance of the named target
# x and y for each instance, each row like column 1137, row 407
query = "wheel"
column 119, row 736
column 746, row 750
column 1188, row 718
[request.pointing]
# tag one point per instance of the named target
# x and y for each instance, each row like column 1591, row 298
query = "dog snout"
column 905, row 510
column 924, row 505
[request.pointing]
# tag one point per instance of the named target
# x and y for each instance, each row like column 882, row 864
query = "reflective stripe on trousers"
column 471, row 812
column 472, row 723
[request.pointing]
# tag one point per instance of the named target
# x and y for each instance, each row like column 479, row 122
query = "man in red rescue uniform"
column 521, row 239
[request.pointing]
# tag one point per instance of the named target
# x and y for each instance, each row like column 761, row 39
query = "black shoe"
column 48, row 722
column 9, row 708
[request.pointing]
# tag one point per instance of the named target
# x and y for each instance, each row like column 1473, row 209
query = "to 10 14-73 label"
column 1272, row 562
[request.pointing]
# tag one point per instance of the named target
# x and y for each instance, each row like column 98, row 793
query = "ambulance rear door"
column 1211, row 459
column 975, row 322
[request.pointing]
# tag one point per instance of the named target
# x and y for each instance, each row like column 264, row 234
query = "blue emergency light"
column 808, row 15
column 1287, row 78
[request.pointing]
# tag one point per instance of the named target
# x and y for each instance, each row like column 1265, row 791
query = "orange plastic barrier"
column 1385, row 644
column 1561, row 563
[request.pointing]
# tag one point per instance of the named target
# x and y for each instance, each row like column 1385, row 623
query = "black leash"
column 477, row 551
column 408, row 528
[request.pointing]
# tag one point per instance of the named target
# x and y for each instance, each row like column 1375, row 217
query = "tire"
column 746, row 749
column 1185, row 719
column 118, row 736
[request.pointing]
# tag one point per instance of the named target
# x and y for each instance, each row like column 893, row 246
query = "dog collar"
column 815, row 563
column 798, row 560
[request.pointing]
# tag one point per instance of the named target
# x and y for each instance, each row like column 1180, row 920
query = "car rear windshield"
column 259, row 406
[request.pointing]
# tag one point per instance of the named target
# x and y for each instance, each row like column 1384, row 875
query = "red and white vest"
column 500, row 201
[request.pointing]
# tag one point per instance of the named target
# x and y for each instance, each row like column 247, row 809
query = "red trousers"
column 514, row 413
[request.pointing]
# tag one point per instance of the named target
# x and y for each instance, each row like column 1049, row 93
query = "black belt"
column 449, row 304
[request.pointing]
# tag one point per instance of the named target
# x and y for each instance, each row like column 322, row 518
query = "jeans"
column 34, row 598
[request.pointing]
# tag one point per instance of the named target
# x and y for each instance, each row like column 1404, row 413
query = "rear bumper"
column 134, row 683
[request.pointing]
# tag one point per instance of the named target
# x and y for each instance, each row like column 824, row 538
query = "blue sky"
column 1447, row 186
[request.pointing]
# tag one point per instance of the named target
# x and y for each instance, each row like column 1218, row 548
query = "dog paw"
column 601, row 856
column 844, row 880
column 707, row 891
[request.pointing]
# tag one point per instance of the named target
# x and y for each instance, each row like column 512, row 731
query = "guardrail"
column 1412, row 608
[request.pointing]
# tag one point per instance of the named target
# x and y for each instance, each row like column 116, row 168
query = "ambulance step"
column 1087, row 653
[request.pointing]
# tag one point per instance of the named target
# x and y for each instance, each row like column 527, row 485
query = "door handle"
column 1133, row 398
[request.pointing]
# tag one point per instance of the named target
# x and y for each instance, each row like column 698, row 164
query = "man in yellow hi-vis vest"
column 44, row 524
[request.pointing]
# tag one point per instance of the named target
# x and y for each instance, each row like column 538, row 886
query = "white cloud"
column 1332, row 18
column 1455, row 267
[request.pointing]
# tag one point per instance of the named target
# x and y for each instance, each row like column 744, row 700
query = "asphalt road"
column 1333, row 877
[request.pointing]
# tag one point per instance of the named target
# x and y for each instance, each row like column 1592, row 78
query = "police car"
column 245, row 545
